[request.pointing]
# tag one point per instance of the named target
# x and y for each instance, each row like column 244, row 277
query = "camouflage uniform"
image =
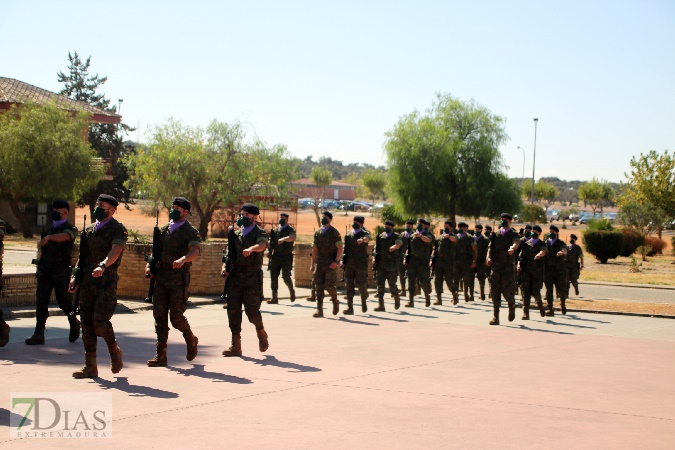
column 462, row 270
column 481, row 269
column 355, row 260
column 502, row 281
column 574, row 253
column 418, row 267
column 402, row 269
column 245, row 286
column 172, row 285
column 387, row 266
column 326, row 243
column 282, row 260
column 444, row 261
column 555, row 274
column 532, row 274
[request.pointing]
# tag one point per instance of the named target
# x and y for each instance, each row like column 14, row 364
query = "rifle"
column 273, row 246
column 36, row 261
column 228, row 258
column 78, row 271
column 435, row 257
column 377, row 254
column 345, row 258
column 154, row 259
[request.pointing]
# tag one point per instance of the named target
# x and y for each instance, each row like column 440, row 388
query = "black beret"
column 250, row 208
column 554, row 228
column 182, row 202
column 410, row 222
column 58, row 204
column 109, row 199
column 479, row 226
column 506, row 216
column 284, row 215
column 389, row 222
column 425, row 222
column 450, row 222
column 528, row 227
column 488, row 227
column 573, row 236
column 328, row 214
column 537, row 228
column 359, row 219
column 462, row 225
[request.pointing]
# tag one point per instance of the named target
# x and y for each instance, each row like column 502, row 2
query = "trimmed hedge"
column 604, row 245
column 656, row 244
column 632, row 239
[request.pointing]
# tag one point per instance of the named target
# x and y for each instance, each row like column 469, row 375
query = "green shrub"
column 657, row 245
column 603, row 244
column 533, row 214
column 599, row 225
column 389, row 212
column 632, row 239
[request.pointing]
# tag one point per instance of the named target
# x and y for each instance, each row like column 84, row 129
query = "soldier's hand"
column 473, row 265
column 269, row 255
column 452, row 238
column 334, row 265
column 393, row 248
column 148, row 273
column 511, row 251
column 177, row 264
column 360, row 241
column 71, row 286
column 44, row 240
column 97, row 273
column 247, row 252
column 561, row 253
column 312, row 267
column 488, row 262
column 373, row 261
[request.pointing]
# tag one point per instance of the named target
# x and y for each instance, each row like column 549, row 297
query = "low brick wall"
column 303, row 277
column 19, row 290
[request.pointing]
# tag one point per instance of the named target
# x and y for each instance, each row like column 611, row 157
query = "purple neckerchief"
column 533, row 241
column 100, row 225
column 408, row 233
column 248, row 229
column 173, row 226
column 58, row 223
column 357, row 230
column 461, row 235
column 281, row 227
column 424, row 231
column 505, row 230
column 389, row 234
column 551, row 241
column 478, row 237
column 325, row 228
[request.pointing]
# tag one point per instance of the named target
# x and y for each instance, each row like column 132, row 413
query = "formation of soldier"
column 456, row 257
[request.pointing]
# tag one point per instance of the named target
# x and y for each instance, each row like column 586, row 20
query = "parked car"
column 305, row 203
column 574, row 217
column 611, row 216
column 552, row 214
column 356, row 206
column 329, row 204
column 588, row 216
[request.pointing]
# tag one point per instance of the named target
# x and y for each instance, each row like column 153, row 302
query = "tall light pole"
column 523, row 150
column 534, row 158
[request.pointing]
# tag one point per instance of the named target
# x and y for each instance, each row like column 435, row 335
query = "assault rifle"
column 345, row 258
column 435, row 257
column 154, row 259
column 36, row 261
column 228, row 258
column 272, row 247
column 378, row 255
column 78, row 271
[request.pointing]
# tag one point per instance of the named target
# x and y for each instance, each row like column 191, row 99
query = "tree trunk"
column 14, row 206
column 316, row 212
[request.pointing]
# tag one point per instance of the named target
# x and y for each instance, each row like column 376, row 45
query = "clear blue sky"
column 329, row 78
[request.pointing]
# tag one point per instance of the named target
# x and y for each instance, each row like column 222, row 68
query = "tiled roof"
column 15, row 91
column 308, row 182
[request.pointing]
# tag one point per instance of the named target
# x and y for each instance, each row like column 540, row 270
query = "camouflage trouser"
column 402, row 270
column 531, row 282
column 481, row 273
column 356, row 277
column 98, row 299
column 443, row 272
column 48, row 278
column 501, row 284
column 418, row 269
column 462, row 272
column 284, row 265
column 573, row 273
column 170, row 301
column 244, row 289
column 556, row 277
column 324, row 279
column 387, row 273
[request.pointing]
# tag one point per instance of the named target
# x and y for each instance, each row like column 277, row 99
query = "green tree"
column 597, row 193
column 651, row 183
column 543, row 191
column 375, row 181
column 106, row 139
column 321, row 178
column 355, row 179
column 211, row 167
column 533, row 214
column 643, row 217
column 39, row 145
column 444, row 160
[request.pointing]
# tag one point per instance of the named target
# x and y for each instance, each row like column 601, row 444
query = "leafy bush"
column 599, row 225
column 533, row 214
column 632, row 239
column 656, row 244
column 603, row 244
column 389, row 212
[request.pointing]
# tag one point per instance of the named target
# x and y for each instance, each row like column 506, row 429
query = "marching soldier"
column 418, row 268
column 405, row 239
column 481, row 269
column 555, row 270
column 503, row 245
column 531, row 271
column 53, row 273
column 326, row 255
column 488, row 234
column 355, row 263
column 281, row 259
column 444, row 260
column 385, row 255
column 245, row 288
column 179, row 242
column 575, row 262
column 466, row 254
column 98, row 291
column 4, row 328
column 525, row 234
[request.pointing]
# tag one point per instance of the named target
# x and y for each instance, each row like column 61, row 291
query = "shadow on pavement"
column 453, row 311
column 358, row 322
column 525, row 327
column 551, row 322
column 575, row 317
column 270, row 360
column 271, row 313
column 134, row 390
column 406, row 313
column 7, row 417
column 371, row 316
column 198, row 370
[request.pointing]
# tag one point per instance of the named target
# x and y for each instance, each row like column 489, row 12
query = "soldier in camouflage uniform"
column 326, row 255
column 421, row 244
column 531, row 270
column 444, row 260
column 246, row 286
column 575, row 262
column 53, row 273
column 503, row 245
column 98, row 292
column 525, row 234
column 405, row 238
column 466, row 254
column 355, row 263
column 4, row 328
column 555, row 270
column 179, row 242
column 280, row 253
column 481, row 269
column 386, row 253
column 489, row 234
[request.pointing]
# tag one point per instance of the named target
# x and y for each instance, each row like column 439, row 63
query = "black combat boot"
column 90, row 370
column 526, row 309
column 38, row 337
column 159, row 360
column 350, row 307
column 438, row 301
column 336, row 306
column 512, row 310
column 380, row 301
column 292, row 291
column 576, row 289
column 549, row 312
column 455, row 297
column 319, row 308
column 191, row 340
column 397, row 301
column 263, row 343
column 4, row 333
column 275, row 298
column 411, row 301
column 364, row 306
column 563, row 309
column 495, row 315
column 75, row 326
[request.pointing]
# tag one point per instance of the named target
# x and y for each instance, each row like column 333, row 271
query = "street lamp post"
column 534, row 158
column 523, row 150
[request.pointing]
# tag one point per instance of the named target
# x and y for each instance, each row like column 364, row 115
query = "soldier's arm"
column 260, row 246
column 340, row 249
column 397, row 244
column 60, row 237
column 424, row 238
column 563, row 251
column 541, row 253
column 191, row 255
column 289, row 238
column 514, row 246
column 474, row 247
column 313, row 259
column 581, row 260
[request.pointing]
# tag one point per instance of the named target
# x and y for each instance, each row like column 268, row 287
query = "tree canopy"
column 597, row 193
column 321, row 178
column 375, row 181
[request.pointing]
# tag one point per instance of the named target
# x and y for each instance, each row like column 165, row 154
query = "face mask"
column 245, row 221
column 409, row 228
column 551, row 235
column 356, row 226
column 100, row 213
column 324, row 221
column 420, row 227
column 535, row 235
column 56, row 215
column 572, row 241
column 487, row 233
column 528, row 234
column 504, row 224
column 388, row 229
column 174, row 214
column 462, row 230
column 282, row 222
column 446, row 230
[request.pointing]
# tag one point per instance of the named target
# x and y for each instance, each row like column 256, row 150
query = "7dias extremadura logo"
column 68, row 415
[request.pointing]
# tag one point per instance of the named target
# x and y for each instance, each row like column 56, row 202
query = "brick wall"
column 18, row 290
column 303, row 277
